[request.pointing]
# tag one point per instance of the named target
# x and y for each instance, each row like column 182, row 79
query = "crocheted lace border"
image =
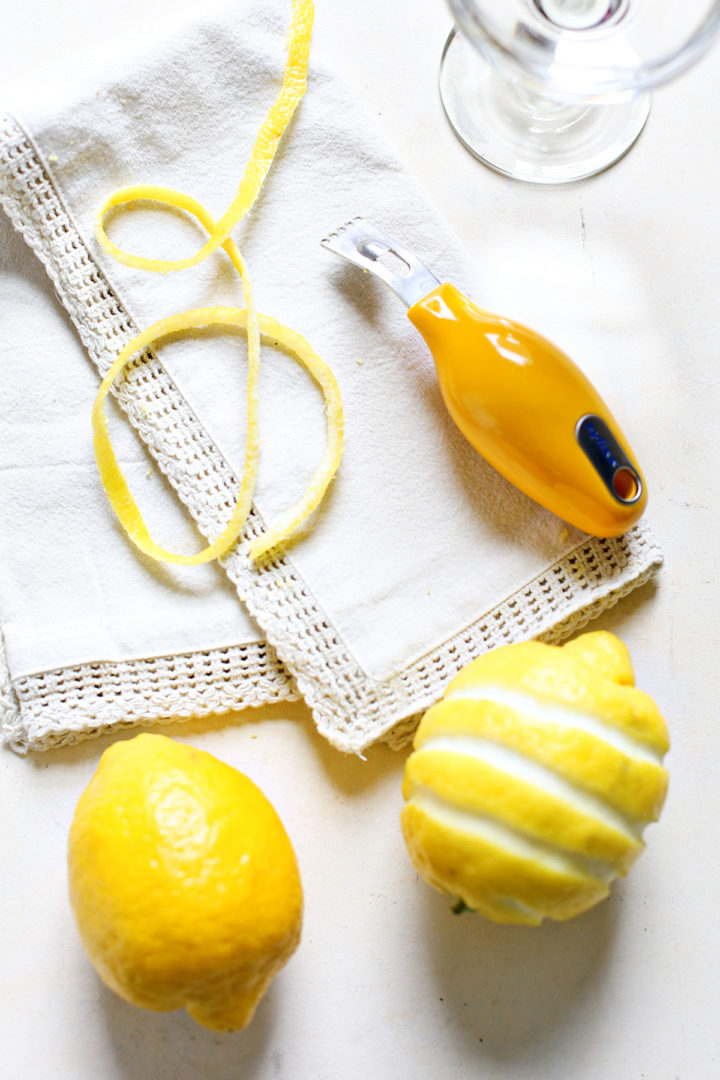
column 56, row 708
column 350, row 709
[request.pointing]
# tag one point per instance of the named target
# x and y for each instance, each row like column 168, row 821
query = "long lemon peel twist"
column 261, row 158
column 248, row 319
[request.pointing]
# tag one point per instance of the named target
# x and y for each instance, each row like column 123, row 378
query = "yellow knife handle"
column 532, row 414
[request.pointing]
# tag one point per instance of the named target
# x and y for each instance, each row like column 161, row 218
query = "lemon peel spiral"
column 248, row 319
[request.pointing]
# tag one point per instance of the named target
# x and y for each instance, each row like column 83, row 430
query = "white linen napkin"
column 172, row 642
column 420, row 557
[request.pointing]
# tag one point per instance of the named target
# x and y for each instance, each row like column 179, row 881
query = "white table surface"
column 387, row 983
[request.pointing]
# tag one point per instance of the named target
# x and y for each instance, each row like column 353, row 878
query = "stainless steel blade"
column 362, row 243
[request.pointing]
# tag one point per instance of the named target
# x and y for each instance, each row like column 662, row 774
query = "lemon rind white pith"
column 547, row 781
column 560, row 715
column 490, row 830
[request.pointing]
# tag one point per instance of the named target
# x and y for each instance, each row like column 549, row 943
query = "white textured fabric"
column 421, row 556
column 72, row 592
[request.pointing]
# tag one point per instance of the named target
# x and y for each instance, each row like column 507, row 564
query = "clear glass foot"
column 521, row 133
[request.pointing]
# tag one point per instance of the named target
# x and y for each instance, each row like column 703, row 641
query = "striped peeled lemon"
column 532, row 779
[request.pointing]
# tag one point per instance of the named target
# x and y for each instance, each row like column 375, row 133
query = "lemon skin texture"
column 532, row 779
column 183, row 882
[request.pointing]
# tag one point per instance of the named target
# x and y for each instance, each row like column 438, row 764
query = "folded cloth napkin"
column 173, row 642
column 420, row 557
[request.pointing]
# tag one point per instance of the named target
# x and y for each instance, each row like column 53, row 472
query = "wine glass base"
column 525, row 135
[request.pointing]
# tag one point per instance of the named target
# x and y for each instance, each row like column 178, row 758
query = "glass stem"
column 541, row 113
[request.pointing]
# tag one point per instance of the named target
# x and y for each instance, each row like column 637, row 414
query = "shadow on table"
column 511, row 992
column 173, row 1046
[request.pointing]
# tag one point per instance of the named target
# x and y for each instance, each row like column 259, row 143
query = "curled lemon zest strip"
column 248, row 319
column 114, row 480
column 263, row 152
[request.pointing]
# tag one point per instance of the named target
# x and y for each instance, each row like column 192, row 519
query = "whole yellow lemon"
column 532, row 780
column 183, row 882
